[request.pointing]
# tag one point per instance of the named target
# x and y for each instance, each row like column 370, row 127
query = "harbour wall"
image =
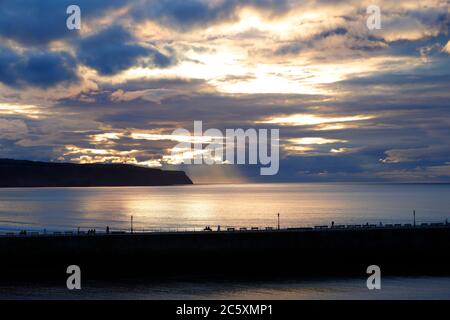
column 423, row 251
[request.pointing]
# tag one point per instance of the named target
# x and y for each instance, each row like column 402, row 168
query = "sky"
column 351, row 104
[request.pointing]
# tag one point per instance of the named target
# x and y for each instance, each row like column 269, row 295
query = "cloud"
column 344, row 98
column 334, row 32
column 36, row 68
column 311, row 119
column 289, row 49
column 446, row 48
column 40, row 22
column 436, row 154
column 115, row 49
column 182, row 14
column 12, row 129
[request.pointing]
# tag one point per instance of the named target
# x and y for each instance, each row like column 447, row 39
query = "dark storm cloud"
column 110, row 51
column 38, row 22
column 328, row 33
column 182, row 14
column 36, row 68
column 351, row 40
column 8, row 59
column 115, row 49
column 12, row 151
column 34, row 22
column 412, row 47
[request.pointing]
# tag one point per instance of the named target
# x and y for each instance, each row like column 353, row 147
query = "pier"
column 321, row 250
column 93, row 231
column 97, row 232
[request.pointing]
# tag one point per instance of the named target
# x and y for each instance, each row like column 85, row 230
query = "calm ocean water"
column 226, row 205
column 238, row 205
column 326, row 288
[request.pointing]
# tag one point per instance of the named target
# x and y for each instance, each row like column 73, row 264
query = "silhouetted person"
column 332, row 224
column 107, row 229
column 218, row 228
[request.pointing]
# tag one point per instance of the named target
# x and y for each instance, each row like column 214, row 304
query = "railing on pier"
column 90, row 232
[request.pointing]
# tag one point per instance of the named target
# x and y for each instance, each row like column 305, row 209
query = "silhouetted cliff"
column 22, row 173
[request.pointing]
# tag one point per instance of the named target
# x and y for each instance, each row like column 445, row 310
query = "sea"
column 193, row 207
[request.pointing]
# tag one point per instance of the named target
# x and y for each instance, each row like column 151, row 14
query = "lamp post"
column 278, row 221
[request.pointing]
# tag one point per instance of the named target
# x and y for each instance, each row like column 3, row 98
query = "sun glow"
column 310, row 119
column 315, row 140
column 90, row 155
column 29, row 111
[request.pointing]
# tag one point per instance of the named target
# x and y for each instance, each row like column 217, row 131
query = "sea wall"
column 278, row 252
